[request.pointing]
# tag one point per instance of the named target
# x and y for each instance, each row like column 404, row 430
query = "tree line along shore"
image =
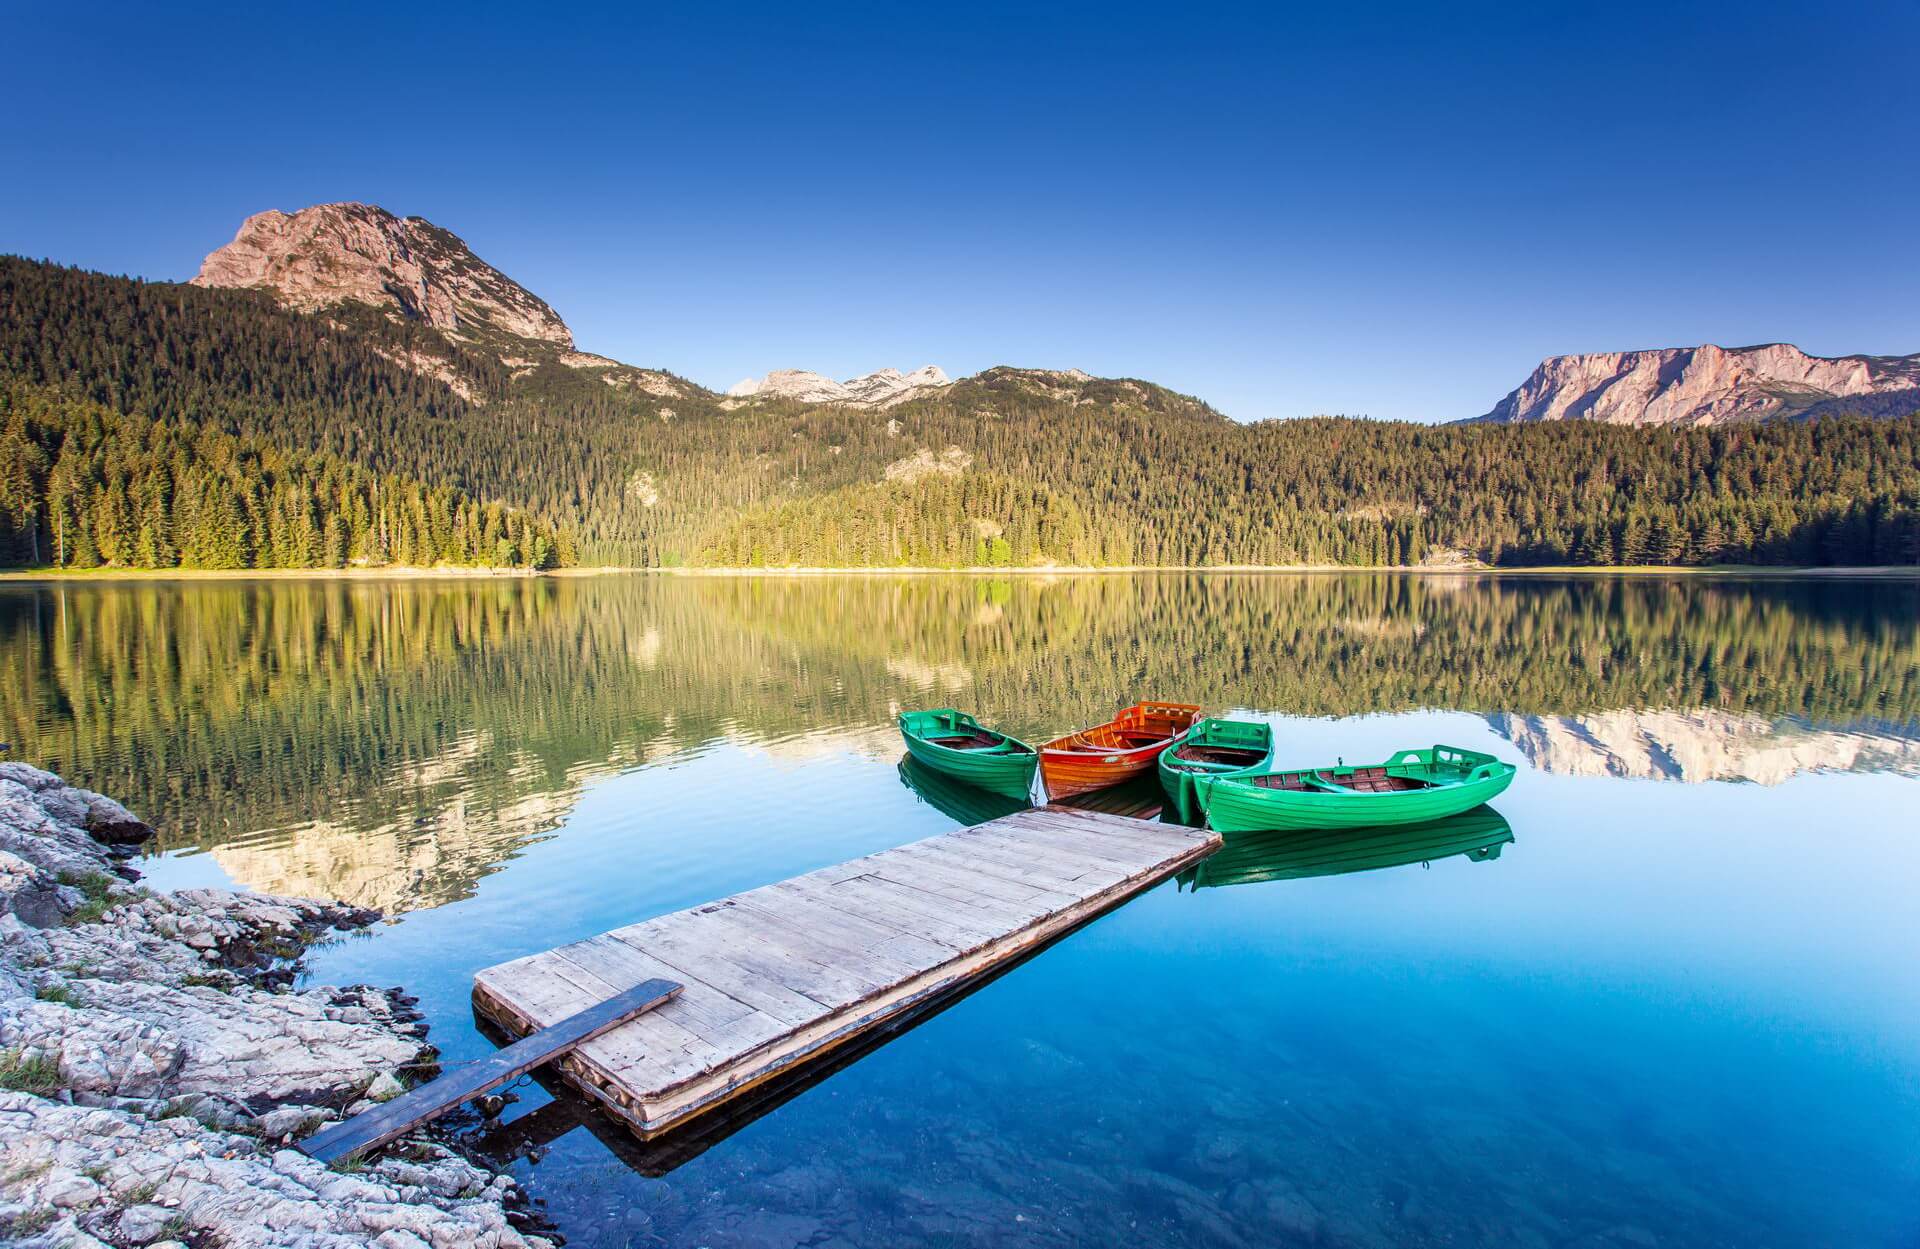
column 155, row 425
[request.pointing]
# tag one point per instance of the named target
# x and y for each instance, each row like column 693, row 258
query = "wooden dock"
column 780, row 976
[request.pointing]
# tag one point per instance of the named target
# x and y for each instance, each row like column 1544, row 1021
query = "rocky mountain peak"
column 1710, row 385
column 361, row 253
column 880, row 389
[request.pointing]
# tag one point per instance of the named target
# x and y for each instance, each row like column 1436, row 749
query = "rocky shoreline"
column 156, row 1060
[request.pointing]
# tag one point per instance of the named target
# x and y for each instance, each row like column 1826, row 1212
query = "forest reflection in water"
column 391, row 742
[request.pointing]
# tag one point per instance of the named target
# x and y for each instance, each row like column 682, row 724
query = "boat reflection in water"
column 1248, row 858
column 965, row 804
column 955, row 799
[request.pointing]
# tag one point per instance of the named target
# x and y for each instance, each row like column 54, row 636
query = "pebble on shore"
column 155, row 1061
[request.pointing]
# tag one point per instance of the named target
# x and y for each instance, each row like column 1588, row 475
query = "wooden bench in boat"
column 1374, row 780
column 780, row 976
column 1224, row 755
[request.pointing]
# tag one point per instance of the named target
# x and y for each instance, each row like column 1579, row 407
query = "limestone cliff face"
column 335, row 253
column 1692, row 746
column 1710, row 385
column 880, row 389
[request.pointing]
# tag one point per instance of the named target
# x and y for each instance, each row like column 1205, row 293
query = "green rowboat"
column 1212, row 747
column 1412, row 787
column 1297, row 854
column 954, row 743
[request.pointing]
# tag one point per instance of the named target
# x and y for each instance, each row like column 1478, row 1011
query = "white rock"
column 385, row 1087
column 924, row 463
column 171, row 1044
column 1704, row 385
column 331, row 253
column 143, row 1223
column 882, row 389
column 90, row 1160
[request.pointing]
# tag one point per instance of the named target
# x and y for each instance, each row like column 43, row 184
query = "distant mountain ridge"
column 1709, row 385
column 880, row 389
column 1003, row 383
column 328, row 255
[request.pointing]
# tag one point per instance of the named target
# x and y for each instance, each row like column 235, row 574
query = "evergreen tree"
column 121, row 490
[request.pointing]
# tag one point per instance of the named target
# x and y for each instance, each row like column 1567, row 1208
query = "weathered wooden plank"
column 806, row 961
column 1075, row 835
column 1143, row 841
column 1015, row 862
column 1078, row 870
column 717, row 1019
column 1034, row 844
column 799, row 903
column 724, row 972
column 957, row 936
column 1101, row 830
column 779, row 975
column 871, row 954
column 937, row 873
column 899, row 885
column 811, row 926
column 666, row 1040
column 386, row 1122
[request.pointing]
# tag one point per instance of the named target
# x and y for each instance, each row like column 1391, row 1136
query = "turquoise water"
column 1679, row 1008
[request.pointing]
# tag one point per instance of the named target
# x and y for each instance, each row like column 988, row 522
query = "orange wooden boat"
column 1110, row 753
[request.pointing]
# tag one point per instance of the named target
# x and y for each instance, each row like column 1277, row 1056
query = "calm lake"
column 1665, row 996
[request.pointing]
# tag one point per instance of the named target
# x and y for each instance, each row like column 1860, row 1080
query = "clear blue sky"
column 1393, row 210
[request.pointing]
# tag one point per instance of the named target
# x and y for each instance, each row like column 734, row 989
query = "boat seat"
column 967, row 741
column 1366, row 781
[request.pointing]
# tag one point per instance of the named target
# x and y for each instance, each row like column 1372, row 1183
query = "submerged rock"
column 152, row 1059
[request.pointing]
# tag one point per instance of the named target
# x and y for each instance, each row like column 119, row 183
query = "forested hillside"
column 387, row 396
column 1009, row 467
column 83, row 485
column 1132, row 486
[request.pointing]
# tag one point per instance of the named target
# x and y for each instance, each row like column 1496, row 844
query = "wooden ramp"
column 780, row 975
column 346, row 1141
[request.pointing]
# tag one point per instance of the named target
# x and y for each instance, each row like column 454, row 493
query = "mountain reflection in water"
column 1702, row 745
column 393, row 742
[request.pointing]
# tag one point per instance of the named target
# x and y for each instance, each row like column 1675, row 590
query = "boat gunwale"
column 1094, row 755
column 1242, row 804
column 1171, row 761
column 1073, row 746
column 1020, row 748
